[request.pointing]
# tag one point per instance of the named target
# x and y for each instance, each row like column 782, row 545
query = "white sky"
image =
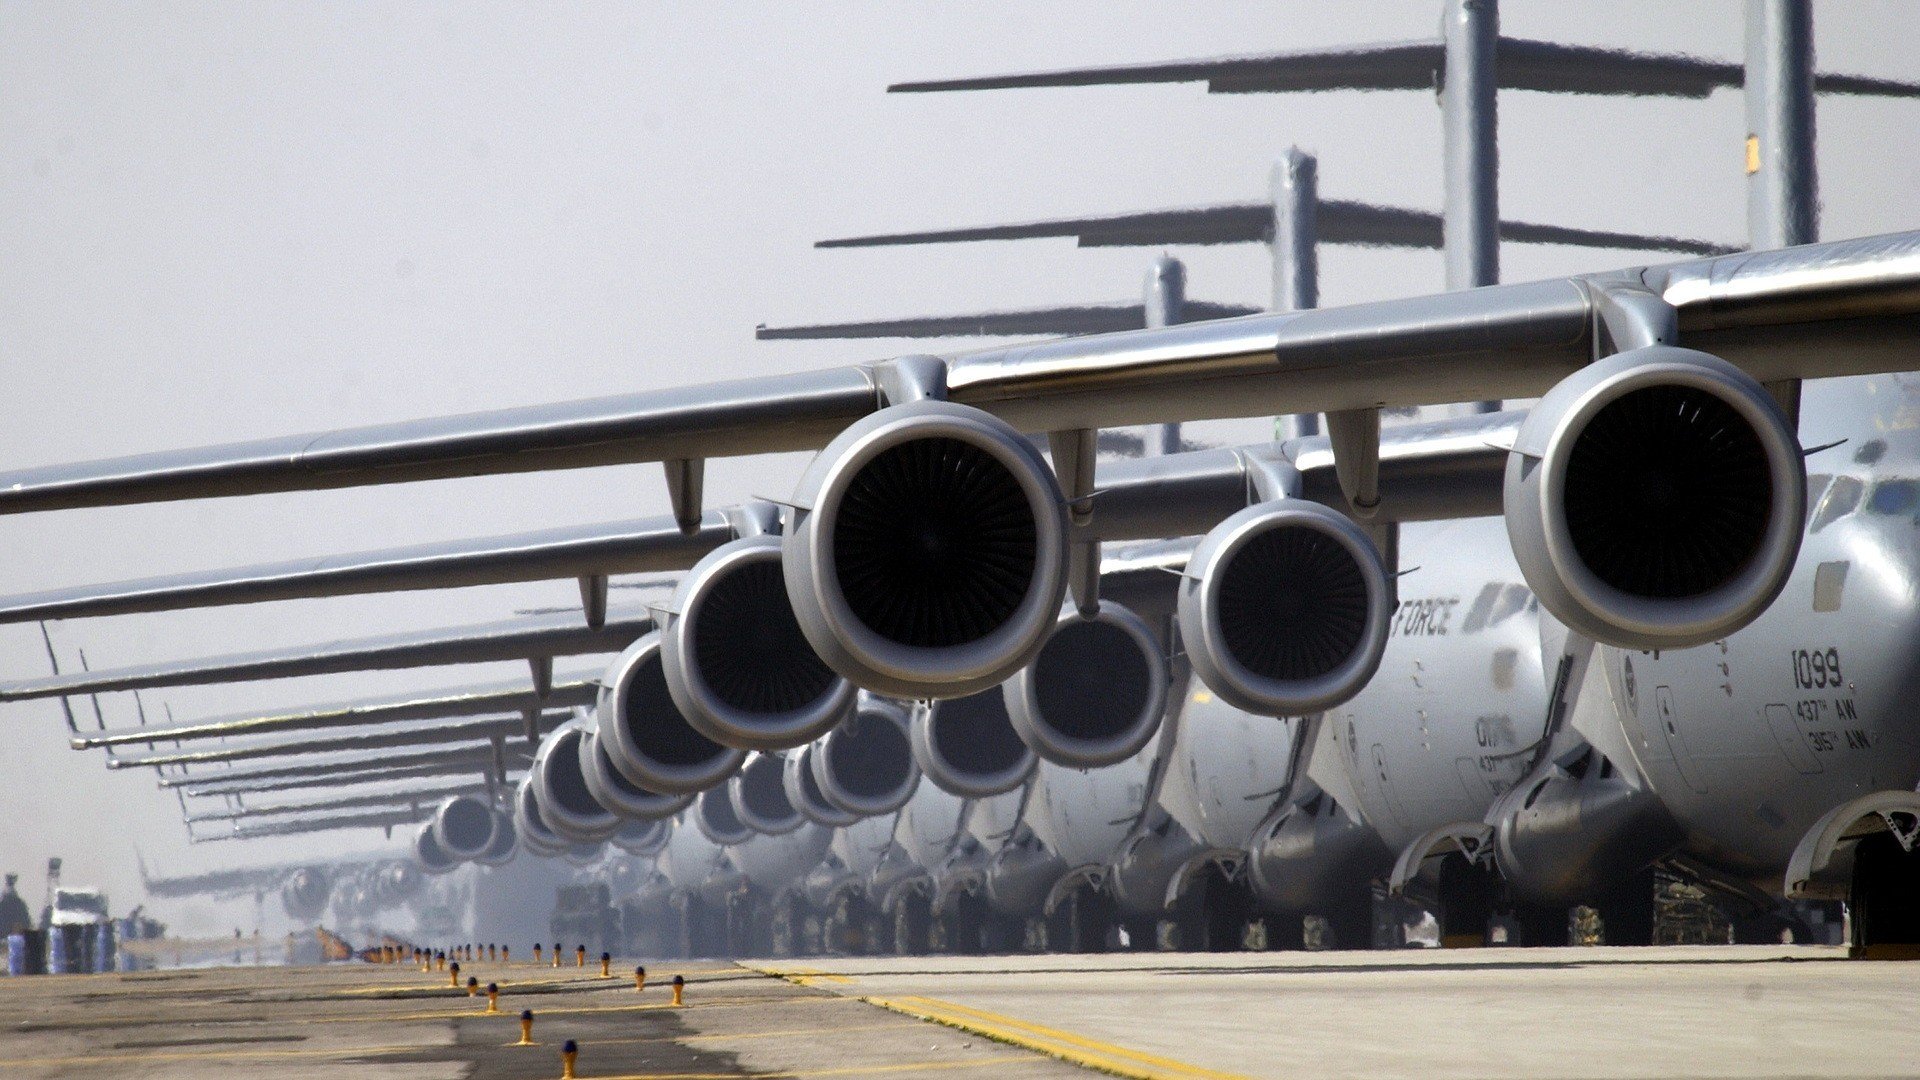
column 229, row 220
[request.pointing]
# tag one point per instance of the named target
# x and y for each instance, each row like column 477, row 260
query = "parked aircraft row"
column 1506, row 663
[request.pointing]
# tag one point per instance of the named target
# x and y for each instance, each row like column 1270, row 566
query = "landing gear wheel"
column 1884, row 900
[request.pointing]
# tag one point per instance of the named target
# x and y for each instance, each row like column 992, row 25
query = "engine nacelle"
column 560, row 786
column 1655, row 499
column 434, row 859
column 305, row 892
column 506, row 842
column 1095, row 694
column 759, row 795
column 611, row 788
column 713, row 815
column 803, row 791
column 865, row 766
column 927, row 556
column 463, row 827
column 642, row 839
column 968, row 746
column 394, row 882
column 736, row 662
column 645, row 735
column 531, row 824
column 1284, row 609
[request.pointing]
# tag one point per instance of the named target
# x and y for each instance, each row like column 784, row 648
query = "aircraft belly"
column 1748, row 741
column 1459, row 703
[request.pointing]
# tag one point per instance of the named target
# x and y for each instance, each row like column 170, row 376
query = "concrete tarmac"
column 362, row 1020
column 1715, row 1011
column 1725, row 1011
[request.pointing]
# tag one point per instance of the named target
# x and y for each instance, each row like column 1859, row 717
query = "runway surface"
column 1727, row 1011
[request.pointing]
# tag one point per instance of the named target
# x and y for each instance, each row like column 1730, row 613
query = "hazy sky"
column 232, row 220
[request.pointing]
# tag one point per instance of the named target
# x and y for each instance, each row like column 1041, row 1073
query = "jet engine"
column 305, row 892
column 434, row 859
column 928, row 551
column 560, row 785
column 611, row 788
column 759, row 794
column 463, row 827
column 1284, row 608
column 1096, row 692
column 736, row 662
column 968, row 746
column 506, row 841
column 803, row 791
column 865, row 766
column 531, row 824
column 1655, row 499
column 645, row 735
column 395, row 881
column 642, row 839
column 713, row 815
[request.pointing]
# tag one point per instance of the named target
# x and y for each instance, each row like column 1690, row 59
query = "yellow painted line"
column 852, row 1070
column 1076, row 1049
column 804, row 976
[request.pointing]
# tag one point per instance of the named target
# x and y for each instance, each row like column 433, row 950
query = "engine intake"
column 865, row 766
column 611, row 788
column 434, row 859
column 759, row 795
column 714, row 816
column 736, row 662
column 968, row 746
column 1655, row 499
column 803, row 791
column 566, row 804
column 927, row 558
column 1095, row 694
column 305, row 892
column 645, row 735
column 531, row 824
column 505, row 842
column 463, row 827
column 642, row 839
column 1284, row 609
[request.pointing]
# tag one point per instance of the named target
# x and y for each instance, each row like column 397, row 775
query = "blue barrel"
column 16, row 953
column 57, row 955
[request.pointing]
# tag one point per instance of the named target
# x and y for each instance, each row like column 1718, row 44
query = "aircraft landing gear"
column 912, row 922
column 1626, row 910
column 1465, row 902
column 1884, row 899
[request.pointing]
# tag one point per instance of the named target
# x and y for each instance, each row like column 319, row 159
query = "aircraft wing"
column 1402, row 65
column 645, row 545
column 540, row 636
column 1821, row 310
column 1439, row 469
column 400, row 796
column 1336, row 221
column 418, row 766
column 486, row 728
column 1524, row 64
column 384, row 819
column 1080, row 319
column 459, row 757
column 581, row 688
